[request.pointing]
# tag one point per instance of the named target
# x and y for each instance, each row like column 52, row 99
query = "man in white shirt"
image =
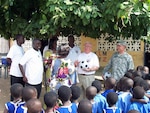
column 73, row 55
column 13, row 57
column 87, row 73
column 33, row 63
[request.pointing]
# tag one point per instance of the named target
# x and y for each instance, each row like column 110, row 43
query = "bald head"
column 34, row 106
column 91, row 91
column 133, row 111
column 84, row 106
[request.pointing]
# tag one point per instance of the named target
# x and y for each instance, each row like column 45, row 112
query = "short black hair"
column 137, row 81
column 76, row 92
column 84, row 106
column 97, row 84
column 129, row 75
column 18, row 36
column 112, row 98
column 28, row 92
column 64, row 93
column 91, row 92
column 50, row 99
column 138, row 92
column 16, row 90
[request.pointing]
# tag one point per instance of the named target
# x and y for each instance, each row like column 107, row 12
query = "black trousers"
column 38, row 88
column 14, row 80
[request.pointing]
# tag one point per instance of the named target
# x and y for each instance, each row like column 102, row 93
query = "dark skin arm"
column 23, row 73
column 9, row 60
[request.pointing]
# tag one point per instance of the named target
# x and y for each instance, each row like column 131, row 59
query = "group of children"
column 128, row 95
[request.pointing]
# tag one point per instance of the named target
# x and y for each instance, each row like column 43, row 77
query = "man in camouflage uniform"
column 120, row 62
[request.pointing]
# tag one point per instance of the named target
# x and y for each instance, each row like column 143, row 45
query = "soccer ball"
column 84, row 65
column 107, row 75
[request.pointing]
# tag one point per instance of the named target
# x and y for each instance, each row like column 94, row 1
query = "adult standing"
column 120, row 62
column 73, row 54
column 14, row 55
column 31, row 66
column 86, row 75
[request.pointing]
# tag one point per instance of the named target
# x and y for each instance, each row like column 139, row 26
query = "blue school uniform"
column 22, row 109
column 124, row 101
column 107, row 91
column 12, row 106
column 102, row 102
column 112, row 110
column 142, row 108
column 68, row 109
column 94, row 107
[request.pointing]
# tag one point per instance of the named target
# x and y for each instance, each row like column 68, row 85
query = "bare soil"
column 5, row 92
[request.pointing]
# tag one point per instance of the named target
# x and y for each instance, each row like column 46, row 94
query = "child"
column 28, row 93
column 101, row 100
column 84, row 106
column 91, row 92
column 110, row 84
column 16, row 92
column 124, row 97
column 76, row 91
column 112, row 98
column 138, row 93
column 50, row 99
column 133, row 111
column 34, row 106
column 64, row 94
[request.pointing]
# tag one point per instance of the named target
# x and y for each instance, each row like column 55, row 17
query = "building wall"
column 4, row 45
column 103, row 48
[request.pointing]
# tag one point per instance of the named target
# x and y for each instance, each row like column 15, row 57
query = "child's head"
column 112, row 98
column 119, row 84
column 127, row 84
column 110, row 83
column 144, row 85
column 133, row 111
column 76, row 91
column 137, row 74
column 137, row 81
column 97, row 84
column 138, row 92
column 64, row 93
column 28, row 93
column 129, row 75
column 34, row 106
column 91, row 92
column 50, row 99
column 148, row 82
column 84, row 106
column 16, row 90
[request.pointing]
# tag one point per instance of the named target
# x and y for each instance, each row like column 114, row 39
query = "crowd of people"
column 126, row 90
column 128, row 95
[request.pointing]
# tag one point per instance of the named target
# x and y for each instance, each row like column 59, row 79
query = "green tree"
column 43, row 18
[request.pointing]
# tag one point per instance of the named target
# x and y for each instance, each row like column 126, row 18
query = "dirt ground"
column 5, row 92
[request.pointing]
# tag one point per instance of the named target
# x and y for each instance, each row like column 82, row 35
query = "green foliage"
column 42, row 18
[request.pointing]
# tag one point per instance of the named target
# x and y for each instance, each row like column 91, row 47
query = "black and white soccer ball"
column 84, row 65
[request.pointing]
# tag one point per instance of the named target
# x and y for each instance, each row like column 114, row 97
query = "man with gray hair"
column 120, row 62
